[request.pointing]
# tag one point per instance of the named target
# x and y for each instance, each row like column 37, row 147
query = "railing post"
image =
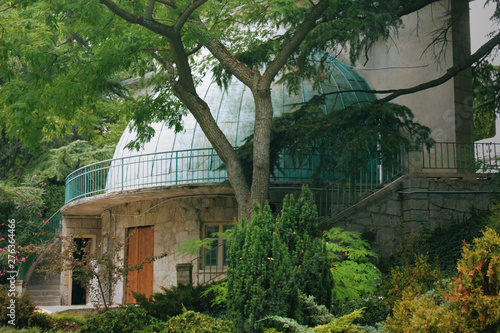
column 123, row 173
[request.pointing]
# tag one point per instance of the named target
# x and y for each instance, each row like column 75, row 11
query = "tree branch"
column 450, row 73
column 229, row 61
column 12, row 5
column 155, row 26
column 413, row 7
column 291, row 45
column 167, row 3
column 148, row 12
column 187, row 14
column 194, row 50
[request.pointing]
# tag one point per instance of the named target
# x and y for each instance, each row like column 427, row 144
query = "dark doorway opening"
column 78, row 291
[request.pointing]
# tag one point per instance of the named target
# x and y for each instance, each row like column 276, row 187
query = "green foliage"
column 194, row 245
column 351, row 133
column 192, row 322
column 470, row 304
column 59, row 162
column 21, row 213
column 486, row 85
column 260, row 275
column 272, row 259
column 217, row 290
column 415, row 278
column 171, row 302
column 354, row 275
column 44, row 92
column 22, row 307
column 123, row 320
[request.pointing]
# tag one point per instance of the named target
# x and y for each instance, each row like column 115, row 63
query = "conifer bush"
column 273, row 260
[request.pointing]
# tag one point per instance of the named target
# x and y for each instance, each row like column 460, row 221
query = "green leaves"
column 486, row 84
column 345, row 139
column 353, row 273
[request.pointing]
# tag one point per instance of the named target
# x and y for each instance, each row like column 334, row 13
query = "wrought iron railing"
column 465, row 157
column 53, row 227
column 347, row 191
column 54, row 223
column 147, row 170
column 172, row 168
column 210, row 265
column 204, row 166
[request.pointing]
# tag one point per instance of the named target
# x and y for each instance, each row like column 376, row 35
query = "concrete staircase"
column 45, row 291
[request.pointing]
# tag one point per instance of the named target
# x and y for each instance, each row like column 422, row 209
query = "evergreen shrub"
column 171, row 302
column 273, row 260
column 124, row 320
column 191, row 322
column 25, row 314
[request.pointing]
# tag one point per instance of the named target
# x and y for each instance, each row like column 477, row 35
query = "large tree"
column 58, row 58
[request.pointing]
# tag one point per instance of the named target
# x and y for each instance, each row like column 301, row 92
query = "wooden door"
column 140, row 246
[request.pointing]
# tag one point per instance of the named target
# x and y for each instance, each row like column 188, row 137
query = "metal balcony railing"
column 465, row 157
column 147, row 170
column 172, row 168
column 210, row 265
column 347, row 191
column 204, row 166
column 53, row 227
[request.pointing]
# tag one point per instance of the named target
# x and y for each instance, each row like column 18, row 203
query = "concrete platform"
column 64, row 308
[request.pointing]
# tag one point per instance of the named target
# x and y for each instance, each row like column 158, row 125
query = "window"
column 217, row 255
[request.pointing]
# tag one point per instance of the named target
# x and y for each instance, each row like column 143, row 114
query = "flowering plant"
column 21, row 222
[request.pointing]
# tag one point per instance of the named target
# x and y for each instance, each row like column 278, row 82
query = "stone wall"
column 175, row 220
column 412, row 204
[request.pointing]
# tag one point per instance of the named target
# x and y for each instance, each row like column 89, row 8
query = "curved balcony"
column 196, row 166
column 147, row 170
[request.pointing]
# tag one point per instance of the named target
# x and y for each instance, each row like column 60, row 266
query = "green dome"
column 190, row 158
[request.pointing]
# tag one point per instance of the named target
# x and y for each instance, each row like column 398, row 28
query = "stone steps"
column 44, row 291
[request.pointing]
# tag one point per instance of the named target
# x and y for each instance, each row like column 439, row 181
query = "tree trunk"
column 261, row 147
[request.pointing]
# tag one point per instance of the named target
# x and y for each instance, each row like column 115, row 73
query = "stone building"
column 173, row 190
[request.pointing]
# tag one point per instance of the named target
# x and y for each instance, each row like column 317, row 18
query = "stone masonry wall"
column 175, row 220
column 412, row 204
